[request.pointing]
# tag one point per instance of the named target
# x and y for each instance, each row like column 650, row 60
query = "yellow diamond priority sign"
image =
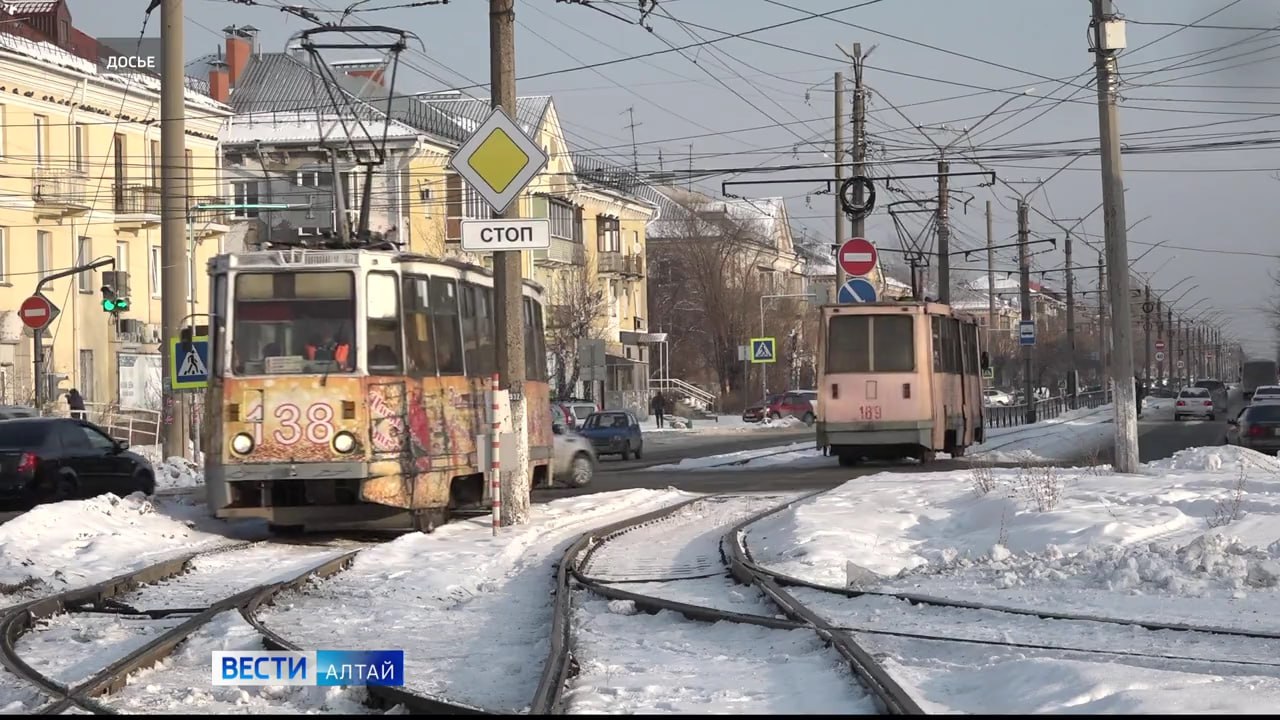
column 498, row 161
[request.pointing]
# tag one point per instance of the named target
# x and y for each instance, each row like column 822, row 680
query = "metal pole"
column 1173, row 348
column 840, row 236
column 1126, row 408
column 944, row 236
column 173, row 195
column 764, row 370
column 508, row 276
column 991, row 274
column 1146, row 326
column 495, row 452
column 1102, row 323
column 37, row 355
column 1073, row 382
column 859, row 137
column 1160, row 335
column 339, row 200
column 1024, row 287
column 189, row 399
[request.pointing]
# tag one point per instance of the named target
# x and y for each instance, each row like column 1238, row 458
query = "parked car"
column 991, row 396
column 614, row 432
column 793, row 403
column 575, row 411
column 53, row 459
column 1193, row 402
column 1217, row 390
column 573, row 460
column 1265, row 395
column 1257, row 427
column 9, row 412
column 758, row 411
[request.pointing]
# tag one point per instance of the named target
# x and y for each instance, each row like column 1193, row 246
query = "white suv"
column 1266, row 395
column 1193, row 402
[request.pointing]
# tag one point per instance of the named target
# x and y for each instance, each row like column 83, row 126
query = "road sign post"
column 857, row 257
column 857, row 290
column 1027, row 332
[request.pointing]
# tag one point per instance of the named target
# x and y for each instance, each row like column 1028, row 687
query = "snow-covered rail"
column 674, row 560
column 174, row 594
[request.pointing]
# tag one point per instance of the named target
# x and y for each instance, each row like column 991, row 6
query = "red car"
column 797, row 403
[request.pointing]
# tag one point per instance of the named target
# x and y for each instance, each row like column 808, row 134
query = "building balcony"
column 60, row 192
column 136, row 206
column 620, row 265
column 561, row 252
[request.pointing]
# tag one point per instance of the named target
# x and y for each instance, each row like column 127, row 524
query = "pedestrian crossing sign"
column 763, row 351
column 189, row 363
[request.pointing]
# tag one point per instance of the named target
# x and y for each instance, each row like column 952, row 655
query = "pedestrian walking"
column 1139, row 392
column 659, row 408
column 76, row 402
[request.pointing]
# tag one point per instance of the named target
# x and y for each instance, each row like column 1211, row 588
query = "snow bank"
column 178, row 472
column 801, row 452
column 1069, row 436
column 723, row 425
column 472, row 611
column 79, row 542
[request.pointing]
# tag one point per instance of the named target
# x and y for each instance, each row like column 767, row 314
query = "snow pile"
column 178, row 472
column 801, row 452
column 721, row 425
column 1213, row 459
column 1070, row 436
column 79, row 542
column 472, row 611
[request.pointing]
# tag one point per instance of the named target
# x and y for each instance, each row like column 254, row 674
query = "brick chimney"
column 374, row 75
column 238, row 51
column 220, row 83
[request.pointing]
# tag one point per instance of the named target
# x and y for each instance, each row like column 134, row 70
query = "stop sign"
column 36, row 312
column 857, row 256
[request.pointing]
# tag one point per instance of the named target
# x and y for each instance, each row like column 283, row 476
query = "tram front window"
column 294, row 323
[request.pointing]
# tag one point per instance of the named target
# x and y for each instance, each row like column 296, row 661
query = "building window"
column 564, row 220
column 245, row 192
column 42, row 138
column 157, row 265
column 4, row 255
column 44, row 252
column 314, row 179
column 122, row 257
column 461, row 202
column 3, row 124
column 608, row 234
column 191, row 177
column 191, row 277
column 155, row 165
column 81, row 142
column 84, row 253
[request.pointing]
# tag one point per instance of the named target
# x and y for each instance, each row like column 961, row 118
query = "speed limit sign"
column 1181, row 364
column 1159, row 357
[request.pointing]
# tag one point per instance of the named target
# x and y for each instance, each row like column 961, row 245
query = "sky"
column 765, row 100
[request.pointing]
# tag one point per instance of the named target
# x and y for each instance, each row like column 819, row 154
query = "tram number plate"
column 869, row 412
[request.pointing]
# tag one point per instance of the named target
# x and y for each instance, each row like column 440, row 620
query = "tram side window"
column 477, row 330
column 893, row 343
column 849, row 344
column 971, row 349
column 937, row 344
column 448, row 328
column 383, row 320
column 419, row 348
column 219, row 325
column 530, row 342
column 540, row 336
column 946, row 345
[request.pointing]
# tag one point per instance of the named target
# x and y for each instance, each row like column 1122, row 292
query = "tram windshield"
column 294, row 323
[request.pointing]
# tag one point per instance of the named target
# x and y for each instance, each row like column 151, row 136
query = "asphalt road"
column 663, row 448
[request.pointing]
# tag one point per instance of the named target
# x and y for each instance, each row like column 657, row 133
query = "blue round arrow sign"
column 857, row 290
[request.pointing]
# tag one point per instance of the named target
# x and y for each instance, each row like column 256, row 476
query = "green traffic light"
column 109, row 305
column 115, row 305
column 122, row 304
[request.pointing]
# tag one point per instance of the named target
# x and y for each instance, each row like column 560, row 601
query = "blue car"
column 613, row 432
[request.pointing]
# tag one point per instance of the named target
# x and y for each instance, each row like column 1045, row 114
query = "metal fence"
column 1012, row 415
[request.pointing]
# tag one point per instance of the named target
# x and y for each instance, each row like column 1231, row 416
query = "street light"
column 1184, row 294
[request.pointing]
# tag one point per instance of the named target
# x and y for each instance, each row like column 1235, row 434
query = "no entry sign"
column 37, row 312
column 1159, row 345
column 857, row 256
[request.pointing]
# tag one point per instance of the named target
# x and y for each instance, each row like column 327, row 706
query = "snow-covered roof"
column 766, row 216
column 302, row 127
column 53, row 55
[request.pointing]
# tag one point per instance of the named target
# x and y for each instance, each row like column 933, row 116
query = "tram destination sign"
column 491, row 235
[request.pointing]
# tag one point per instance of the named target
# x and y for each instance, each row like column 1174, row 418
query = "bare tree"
column 577, row 305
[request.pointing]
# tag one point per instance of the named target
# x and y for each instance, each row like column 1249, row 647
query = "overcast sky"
column 1201, row 84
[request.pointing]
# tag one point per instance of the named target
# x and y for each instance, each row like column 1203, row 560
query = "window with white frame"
column 245, row 192
column 313, row 179
column 122, row 257
column 562, row 217
column 156, row 267
column 44, row 252
column 4, row 255
column 608, row 234
column 81, row 146
column 41, row 128
column 191, row 277
column 84, row 253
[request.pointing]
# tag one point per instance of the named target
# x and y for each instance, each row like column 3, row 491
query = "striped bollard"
column 495, row 446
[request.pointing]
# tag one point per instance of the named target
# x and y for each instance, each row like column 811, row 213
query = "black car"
column 1257, row 427
column 43, row 459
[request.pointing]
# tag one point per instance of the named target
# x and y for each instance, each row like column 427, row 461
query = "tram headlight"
column 344, row 442
column 242, row 444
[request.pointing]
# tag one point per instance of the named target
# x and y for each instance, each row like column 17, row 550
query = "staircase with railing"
column 695, row 400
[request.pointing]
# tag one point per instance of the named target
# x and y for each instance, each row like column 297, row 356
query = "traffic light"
column 115, row 292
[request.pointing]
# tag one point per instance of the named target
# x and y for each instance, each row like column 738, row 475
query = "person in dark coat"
column 76, row 403
column 1139, row 392
column 659, row 408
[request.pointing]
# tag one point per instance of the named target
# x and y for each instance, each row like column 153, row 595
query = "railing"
column 1013, row 415
column 203, row 217
column 620, row 264
column 59, row 186
column 698, row 397
column 561, row 252
column 140, row 426
column 137, row 200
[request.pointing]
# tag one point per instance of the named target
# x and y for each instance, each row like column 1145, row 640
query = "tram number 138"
column 869, row 412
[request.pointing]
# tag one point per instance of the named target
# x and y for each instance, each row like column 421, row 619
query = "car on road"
column 991, row 396
column 1257, row 427
column 1217, row 390
column 794, row 403
column 10, row 412
column 614, row 432
column 52, row 459
column 1265, row 395
column 1193, row 402
column 573, row 460
column 575, row 411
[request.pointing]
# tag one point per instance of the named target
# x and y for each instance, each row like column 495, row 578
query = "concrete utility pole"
column 1102, row 321
column 1024, row 287
column 1160, row 335
column 1073, row 383
column 944, row 235
column 859, row 136
column 840, row 236
column 508, row 277
column 991, row 276
column 1173, row 344
column 1108, row 42
column 339, row 200
column 173, row 199
column 1146, row 326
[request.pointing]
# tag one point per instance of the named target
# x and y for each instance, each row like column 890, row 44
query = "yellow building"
column 79, row 152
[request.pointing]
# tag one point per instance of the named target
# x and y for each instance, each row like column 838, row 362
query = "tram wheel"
column 847, row 459
column 426, row 521
column 928, row 456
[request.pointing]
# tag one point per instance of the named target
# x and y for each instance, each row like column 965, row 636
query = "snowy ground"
column 725, row 425
column 472, row 611
column 1193, row 539
column 1070, row 435
column 800, row 452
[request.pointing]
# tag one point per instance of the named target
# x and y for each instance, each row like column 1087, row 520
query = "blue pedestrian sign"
column 763, row 350
column 189, row 363
column 1027, row 332
column 857, row 290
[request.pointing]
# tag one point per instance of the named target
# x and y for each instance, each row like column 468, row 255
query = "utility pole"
column 635, row 157
column 1146, row 323
column 1024, row 283
column 173, row 199
column 1073, row 382
column 840, row 236
column 1102, row 321
column 1108, row 42
column 1160, row 335
column 944, row 235
column 508, row 277
column 859, row 136
column 1173, row 344
column 339, row 200
column 991, row 276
